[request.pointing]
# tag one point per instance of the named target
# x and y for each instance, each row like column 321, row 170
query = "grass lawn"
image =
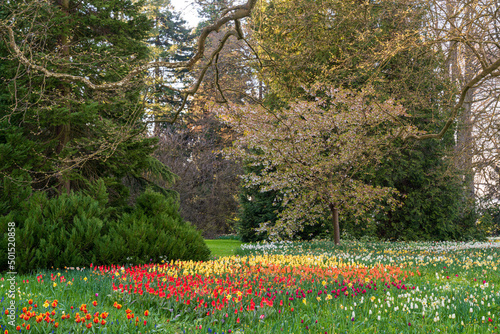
column 221, row 247
column 289, row 287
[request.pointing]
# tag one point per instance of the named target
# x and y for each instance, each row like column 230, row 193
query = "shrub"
column 77, row 229
column 155, row 231
column 57, row 232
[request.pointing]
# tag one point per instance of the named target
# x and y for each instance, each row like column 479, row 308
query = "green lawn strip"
column 221, row 247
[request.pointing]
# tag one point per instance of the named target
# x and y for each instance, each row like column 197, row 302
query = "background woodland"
column 126, row 137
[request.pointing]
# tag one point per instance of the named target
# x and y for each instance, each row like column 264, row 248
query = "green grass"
column 288, row 287
column 222, row 247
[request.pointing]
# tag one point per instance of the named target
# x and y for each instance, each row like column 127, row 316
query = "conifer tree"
column 73, row 135
column 70, row 154
column 169, row 41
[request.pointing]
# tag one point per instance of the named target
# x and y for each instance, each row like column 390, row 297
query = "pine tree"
column 169, row 40
column 72, row 135
column 423, row 170
column 71, row 156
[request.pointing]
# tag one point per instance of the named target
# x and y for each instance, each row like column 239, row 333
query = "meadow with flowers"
column 289, row 287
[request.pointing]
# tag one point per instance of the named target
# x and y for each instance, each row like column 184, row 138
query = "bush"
column 155, row 231
column 77, row 229
column 490, row 222
column 55, row 232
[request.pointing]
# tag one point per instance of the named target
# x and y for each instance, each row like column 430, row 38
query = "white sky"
column 187, row 10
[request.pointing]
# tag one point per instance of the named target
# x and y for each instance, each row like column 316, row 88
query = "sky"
column 187, row 10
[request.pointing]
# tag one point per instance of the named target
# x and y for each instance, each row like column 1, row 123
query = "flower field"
column 290, row 287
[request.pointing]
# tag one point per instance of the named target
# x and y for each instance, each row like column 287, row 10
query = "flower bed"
column 309, row 287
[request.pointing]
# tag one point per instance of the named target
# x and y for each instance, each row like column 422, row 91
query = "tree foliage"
column 74, row 71
column 169, row 41
column 58, row 139
column 208, row 183
column 380, row 45
column 312, row 151
column 75, row 134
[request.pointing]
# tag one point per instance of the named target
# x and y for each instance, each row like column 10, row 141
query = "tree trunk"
column 63, row 130
column 156, row 116
column 335, row 221
column 464, row 145
column 461, row 70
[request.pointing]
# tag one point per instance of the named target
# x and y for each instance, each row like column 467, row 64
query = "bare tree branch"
column 470, row 84
column 224, row 100
column 237, row 12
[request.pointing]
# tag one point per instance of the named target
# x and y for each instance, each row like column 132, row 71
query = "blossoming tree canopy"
column 312, row 150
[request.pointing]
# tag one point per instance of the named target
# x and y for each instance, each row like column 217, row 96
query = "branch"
column 194, row 88
column 68, row 77
column 224, row 100
column 255, row 52
column 237, row 12
column 487, row 71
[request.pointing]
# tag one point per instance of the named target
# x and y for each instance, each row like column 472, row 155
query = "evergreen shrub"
column 490, row 221
column 76, row 229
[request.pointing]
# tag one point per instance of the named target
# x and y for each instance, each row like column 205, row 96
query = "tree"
column 231, row 14
column 475, row 25
column 169, row 41
column 312, row 151
column 208, row 183
column 75, row 135
column 482, row 41
column 377, row 44
column 423, row 169
column 256, row 208
column 81, row 144
column 83, row 58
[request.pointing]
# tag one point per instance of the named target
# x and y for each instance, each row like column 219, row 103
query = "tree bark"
column 463, row 70
column 335, row 221
column 63, row 130
column 464, row 145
